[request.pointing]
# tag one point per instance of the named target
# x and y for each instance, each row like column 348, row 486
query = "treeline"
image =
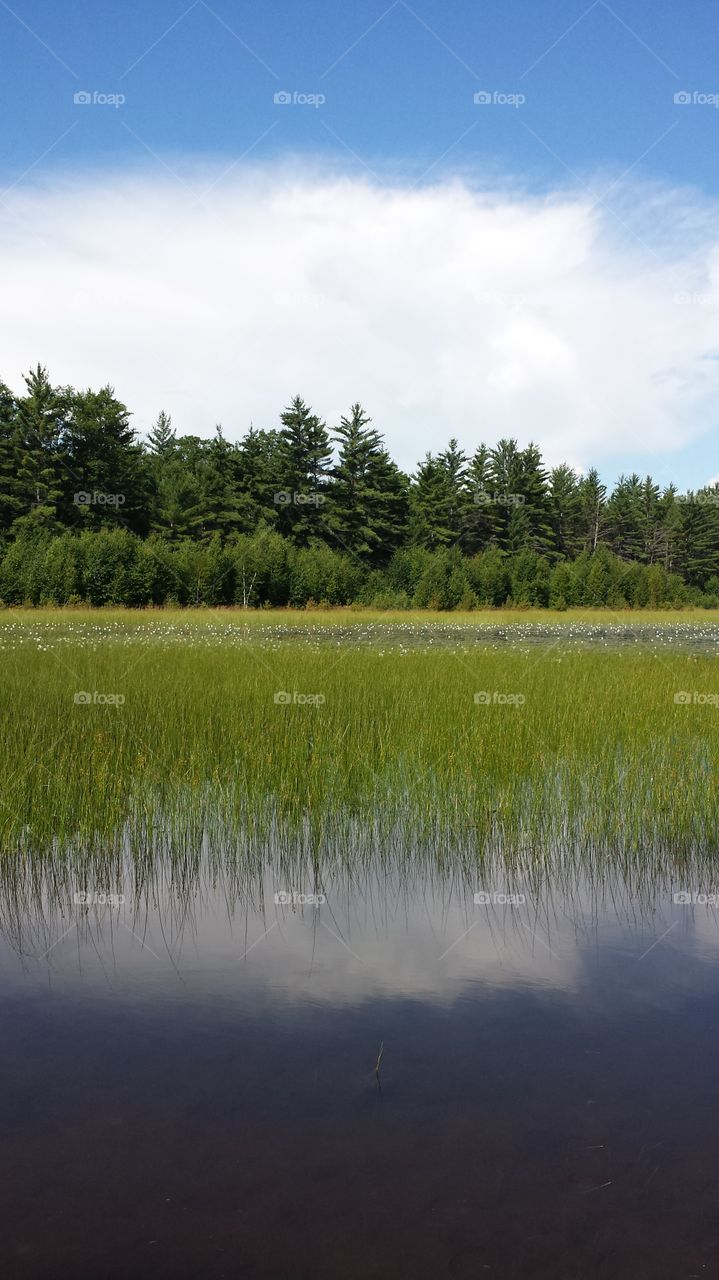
column 296, row 515
column 115, row 567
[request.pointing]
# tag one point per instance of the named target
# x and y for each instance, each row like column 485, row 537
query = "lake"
column 189, row 1084
column 284, row 1042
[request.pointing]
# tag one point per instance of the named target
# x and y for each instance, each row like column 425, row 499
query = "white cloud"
column 447, row 311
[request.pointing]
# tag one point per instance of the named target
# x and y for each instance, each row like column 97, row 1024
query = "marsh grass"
column 351, row 615
column 397, row 759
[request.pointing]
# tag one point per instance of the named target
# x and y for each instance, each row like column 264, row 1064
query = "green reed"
column 591, row 751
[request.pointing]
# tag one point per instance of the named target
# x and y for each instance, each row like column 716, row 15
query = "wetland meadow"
column 356, row 943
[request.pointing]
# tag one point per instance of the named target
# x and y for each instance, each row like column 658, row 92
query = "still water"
column 392, row 1080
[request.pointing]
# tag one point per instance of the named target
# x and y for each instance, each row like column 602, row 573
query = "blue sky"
column 398, row 91
column 596, row 117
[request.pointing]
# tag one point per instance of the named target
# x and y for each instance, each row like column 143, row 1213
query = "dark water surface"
column 188, row 1085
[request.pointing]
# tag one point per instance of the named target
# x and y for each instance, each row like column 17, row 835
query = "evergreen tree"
column 601, row 579
column 670, row 526
column 506, row 476
column 41, row 419
column 534, row 487
column 220, row 476
column 180, row 508
column 593, row 495
column 454, row 462
column 479, row 522
column 432, row 505
column 367, row 496
column 161, row 438
column 103, row 461
column 625, row 519
column 10, row 497
column 650, row 510
column 698, row 549
column 305, row 455
column 565, row 505
column 258, row 466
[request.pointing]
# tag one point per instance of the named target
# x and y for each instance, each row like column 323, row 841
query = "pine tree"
column 518, row 530
column 454, row 461
column 180, row 503
column 305, row 456
column 41, row 420
column 367, row 495
column 650, row 511
column 10, row 499
column 521, row 495
column 506, row 476
column 625, row 519
column 259, row 464
column 161, row 438
column 593, row 495
column 220, row 476
column 179, row 508
column 601, row 578
column 103, row 460
column 698, row 550
column 565, row 505
column 479, row 522
column 431, row 505
column 534, row 487
column 670, row 525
